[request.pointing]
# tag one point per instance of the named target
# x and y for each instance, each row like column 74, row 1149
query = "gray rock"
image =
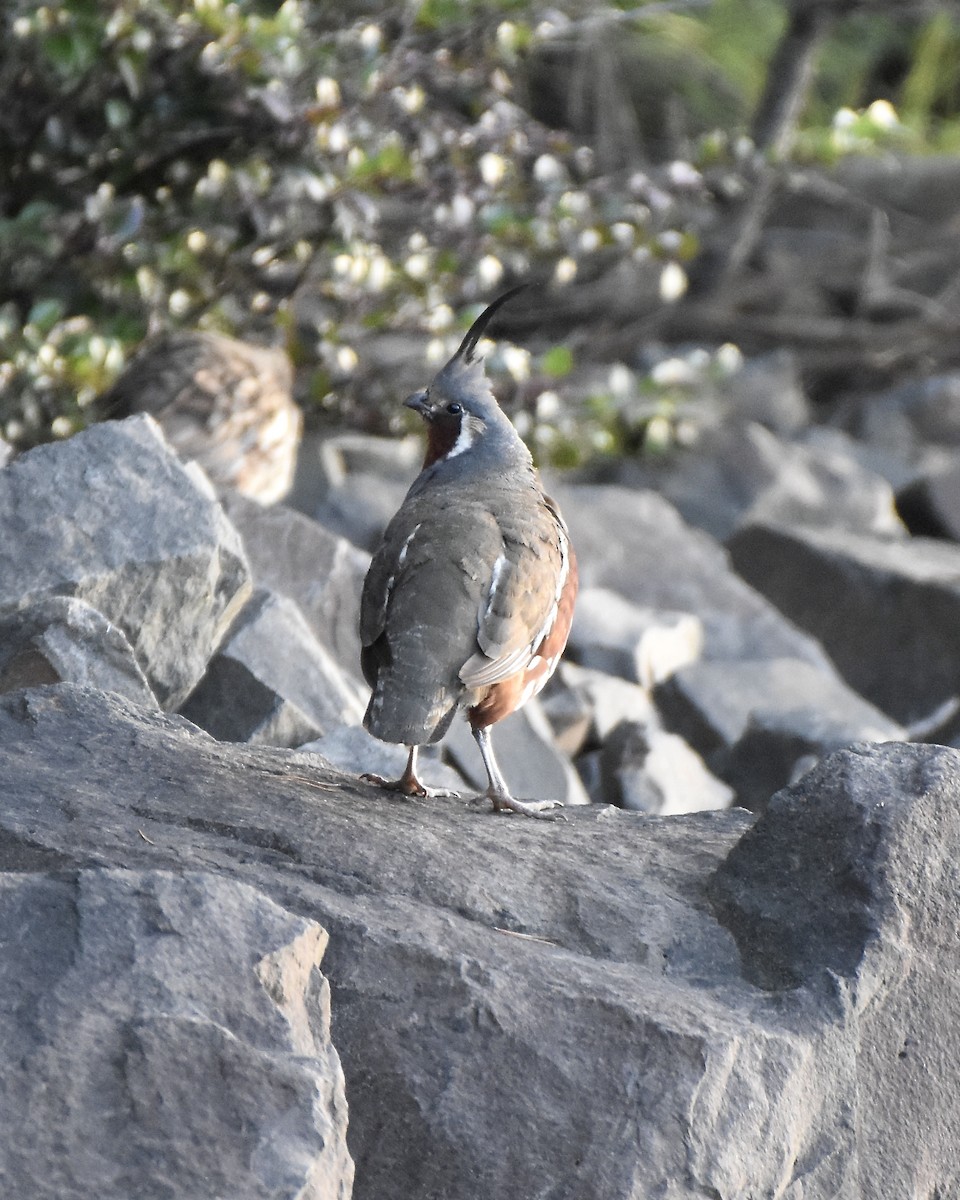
column 930, row 502
column 886, row 611
column 742, row 473
column 635, row 543
column 6, row 452
column 623, row 754
column 366, row 481
column 532, row 765
column 847, row 889
column 645, row 769
column 568, row 713
column 360, row 508
column 272, row 682
column 640, row 644
column 233, row 705
column 394, row 459
column 350, row 748
column 754, row 722
column 604, row 701
column 165, row 1034
column 223, row 403
column 114, row 518
column 767, row 389
column 296, row 557
column 611, row 1050
column 898, row 464
column 61, row 639
column 925, row 408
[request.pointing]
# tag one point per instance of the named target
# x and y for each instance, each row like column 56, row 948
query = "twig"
column 527, row 937
column 788, row 81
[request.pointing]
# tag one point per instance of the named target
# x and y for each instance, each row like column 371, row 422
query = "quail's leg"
column 498, row 791
column 409, row 783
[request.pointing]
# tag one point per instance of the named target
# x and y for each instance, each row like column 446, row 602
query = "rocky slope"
column 230, row 967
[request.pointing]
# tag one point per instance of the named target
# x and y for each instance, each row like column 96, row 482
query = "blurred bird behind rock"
column 224, row 403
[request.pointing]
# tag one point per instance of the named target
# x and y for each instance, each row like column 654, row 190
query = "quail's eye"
column 454, row 408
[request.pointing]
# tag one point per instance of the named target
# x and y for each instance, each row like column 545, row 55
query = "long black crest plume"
column 475, row 332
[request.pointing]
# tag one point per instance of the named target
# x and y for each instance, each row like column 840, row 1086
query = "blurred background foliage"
column 350, row 180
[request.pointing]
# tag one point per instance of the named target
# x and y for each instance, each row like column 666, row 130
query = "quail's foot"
column 410, row 787
column 543, row 810
column 409, row 782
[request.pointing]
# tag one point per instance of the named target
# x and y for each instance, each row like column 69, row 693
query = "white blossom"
column 729, row 358
column 328, row 92
column 417, row 266
column 673, row 282
column 549, row 169
column 179, row 302
column 673, row 372
column 517, row 362
column 565, row 271
column 683, row 174
column 493, row 168
column 883, row 114
column 489, row 270
column 620, row 380
column 548, row 405
column 371, row 37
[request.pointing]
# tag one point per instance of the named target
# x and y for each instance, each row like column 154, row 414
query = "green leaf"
column 557, row 361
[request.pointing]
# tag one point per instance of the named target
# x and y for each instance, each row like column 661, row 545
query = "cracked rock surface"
column 617, row 1006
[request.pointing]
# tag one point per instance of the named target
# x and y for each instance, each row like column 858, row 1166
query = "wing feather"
column 521, row 601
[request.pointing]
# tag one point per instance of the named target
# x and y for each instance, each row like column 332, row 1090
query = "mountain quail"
column 224, row 403
column 469, row 598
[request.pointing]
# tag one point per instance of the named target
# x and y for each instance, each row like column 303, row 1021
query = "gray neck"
column 499, row 456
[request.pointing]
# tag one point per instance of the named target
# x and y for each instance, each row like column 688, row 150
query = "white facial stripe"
column 465, row 438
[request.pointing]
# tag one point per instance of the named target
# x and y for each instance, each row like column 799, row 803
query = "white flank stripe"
column 561, row 581
column 402, row 558
column 494, row 583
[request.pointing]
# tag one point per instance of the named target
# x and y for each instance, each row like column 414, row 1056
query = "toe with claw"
column 409, row 783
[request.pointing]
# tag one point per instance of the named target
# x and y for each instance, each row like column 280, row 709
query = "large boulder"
column 113, row 518
column 846, row 890
column 554, row 1008
column 60, row 639
column 886, row 610
column 758, row 724
column 165, row 1034
column 296, row 557
column 636, row 543
column 738, row 473
column 639, row 644
column 272, row 681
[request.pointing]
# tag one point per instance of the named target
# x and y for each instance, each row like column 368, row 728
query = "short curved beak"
column 418, row 402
